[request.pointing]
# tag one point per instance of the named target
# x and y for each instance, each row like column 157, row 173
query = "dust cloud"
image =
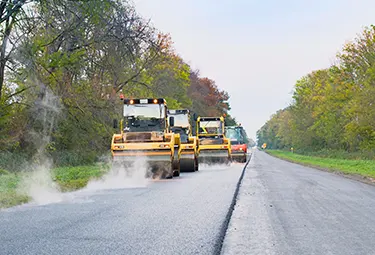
column 37, row 181
column 38, row 185
column 120, row 176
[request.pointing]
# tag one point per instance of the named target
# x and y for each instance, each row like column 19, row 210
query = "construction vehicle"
column 239, row 142
column 189, row 146
column 213, row 146
column 145, row 131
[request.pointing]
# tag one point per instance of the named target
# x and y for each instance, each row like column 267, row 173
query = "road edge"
column 224, row 227
column 359, row 178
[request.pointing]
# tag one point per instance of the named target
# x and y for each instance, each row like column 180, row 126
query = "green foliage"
column 3, row 172
column 230, row 121
column 61, row 95
column 13, row 161
column 68, row 179
column 73, row 178
column 332, row 109
column 8, row 191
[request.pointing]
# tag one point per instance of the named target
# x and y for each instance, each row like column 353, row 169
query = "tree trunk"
column 3, row 56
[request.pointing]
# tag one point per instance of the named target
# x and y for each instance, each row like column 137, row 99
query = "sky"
column 256, row 50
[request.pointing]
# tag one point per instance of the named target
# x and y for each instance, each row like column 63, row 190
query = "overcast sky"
column 257, row 49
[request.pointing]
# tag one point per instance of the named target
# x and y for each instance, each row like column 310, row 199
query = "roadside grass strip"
column 8, row 190
column 74, row 178
column 364, row 168
column 67, row 178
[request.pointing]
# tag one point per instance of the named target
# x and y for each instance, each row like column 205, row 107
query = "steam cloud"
column 122, row 177
column 37, row 181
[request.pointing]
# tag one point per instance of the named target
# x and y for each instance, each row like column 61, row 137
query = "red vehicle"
column 238, row 139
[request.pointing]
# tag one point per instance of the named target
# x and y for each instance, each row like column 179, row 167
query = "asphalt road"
column 281, row 208
column 284, row 208
column 179, row 216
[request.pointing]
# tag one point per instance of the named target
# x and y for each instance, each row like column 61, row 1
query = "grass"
column 74, row 178
column 365, row 168
column 8, row 190
column 68, row 179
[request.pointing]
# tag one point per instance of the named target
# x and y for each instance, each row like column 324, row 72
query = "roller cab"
column 189, row 147
column 145, row 134
column 214, row 147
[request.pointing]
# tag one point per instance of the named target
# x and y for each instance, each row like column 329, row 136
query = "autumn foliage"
column 208, row 99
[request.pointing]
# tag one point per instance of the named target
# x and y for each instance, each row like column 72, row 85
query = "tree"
column 9, row 12
column 208, row 100
column 332, row 109
column 69, row 69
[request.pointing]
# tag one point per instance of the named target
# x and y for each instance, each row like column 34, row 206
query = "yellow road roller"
column 213, row 146
column 145, row 132
column 189, row 145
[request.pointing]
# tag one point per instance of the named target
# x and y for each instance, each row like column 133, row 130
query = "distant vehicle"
column 239, row 142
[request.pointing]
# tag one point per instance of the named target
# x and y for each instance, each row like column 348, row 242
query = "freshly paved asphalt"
column 184, row 215
column 284, row 208
column 281, row 208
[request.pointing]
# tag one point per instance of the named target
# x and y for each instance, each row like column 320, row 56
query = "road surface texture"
column 285, row 208
column 184, row 215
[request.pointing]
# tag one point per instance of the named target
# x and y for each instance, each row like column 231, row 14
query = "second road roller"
column 189, row 143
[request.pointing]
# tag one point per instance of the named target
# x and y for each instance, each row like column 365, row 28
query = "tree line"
column 332, row 109
column 63, row 65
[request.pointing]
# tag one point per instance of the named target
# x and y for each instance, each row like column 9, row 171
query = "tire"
column 176, row 173
column 176, row 168
column 168, row 172
column 167, row 175
column 244, row 159
column 187, row 165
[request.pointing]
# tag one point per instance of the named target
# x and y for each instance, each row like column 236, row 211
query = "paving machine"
column 239, row 141
column 189, row 146
column 213, row 146
column 145, row 132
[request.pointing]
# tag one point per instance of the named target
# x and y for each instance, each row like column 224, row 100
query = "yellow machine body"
column 189, row 144
column 145, row 133
column 213, row 145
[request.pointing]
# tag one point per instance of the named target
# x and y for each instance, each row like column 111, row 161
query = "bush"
column 75, row 158
column 13, row 162
column 3, row 172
